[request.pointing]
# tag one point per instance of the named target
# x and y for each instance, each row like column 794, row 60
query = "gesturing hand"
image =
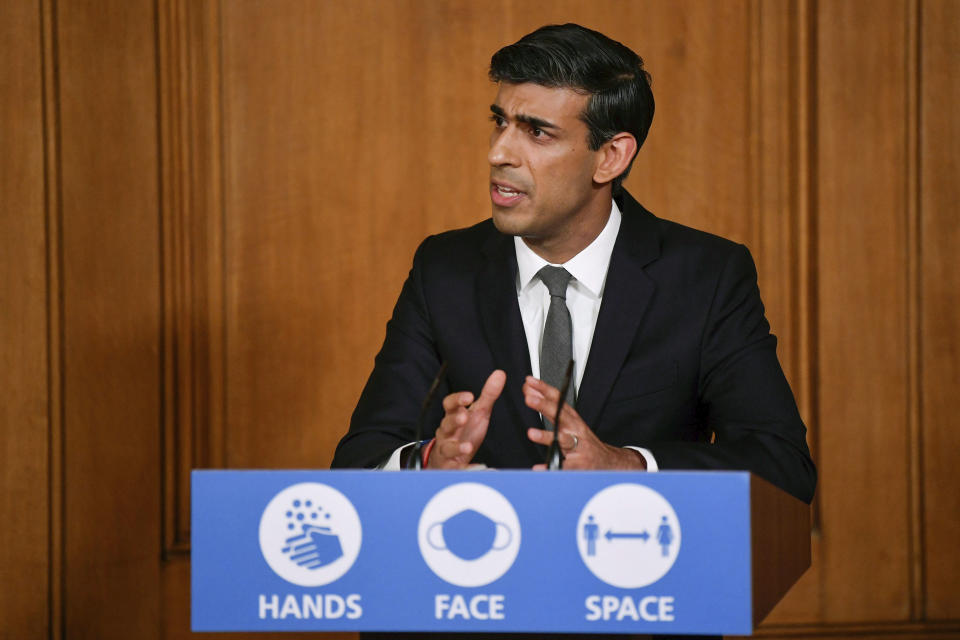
column 464, row 424
column 581, row 448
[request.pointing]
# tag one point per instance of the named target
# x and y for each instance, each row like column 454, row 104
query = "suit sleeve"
column 744, row 397
column 386, row 414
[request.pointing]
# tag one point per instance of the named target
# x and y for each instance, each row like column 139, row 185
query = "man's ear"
column 617, row 152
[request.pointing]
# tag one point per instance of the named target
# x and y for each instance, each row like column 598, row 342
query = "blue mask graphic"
column 468, row 534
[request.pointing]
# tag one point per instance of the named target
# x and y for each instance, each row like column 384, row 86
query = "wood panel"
column 188, row 40
column 24, row 424
column 778, row 96
column 206, row 213
column 315, row 259
column 939, row 292
column 697, row 165
column 862, row 315
column 783, row 104
column 866, row 631
column 291, row 179
column 111, row 306
column 328, row 142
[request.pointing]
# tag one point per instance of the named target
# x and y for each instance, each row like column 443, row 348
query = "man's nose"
column 503, row 148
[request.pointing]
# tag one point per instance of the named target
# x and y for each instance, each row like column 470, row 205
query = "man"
column 674, row 365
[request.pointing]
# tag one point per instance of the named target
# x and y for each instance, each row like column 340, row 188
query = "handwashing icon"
column 469, row 535
column 310, row 534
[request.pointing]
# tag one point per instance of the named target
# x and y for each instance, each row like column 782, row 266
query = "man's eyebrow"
column 533, row 121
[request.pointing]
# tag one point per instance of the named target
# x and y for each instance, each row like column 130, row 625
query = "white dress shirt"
column 584, row 295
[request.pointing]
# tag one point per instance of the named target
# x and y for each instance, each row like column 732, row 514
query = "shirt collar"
column 589, row 267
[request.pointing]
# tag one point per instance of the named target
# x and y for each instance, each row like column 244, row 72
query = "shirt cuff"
column 393, row 462
column 647, row 456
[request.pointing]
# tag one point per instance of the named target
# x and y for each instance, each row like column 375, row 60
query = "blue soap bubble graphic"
column 313, row 546
column 469, row 534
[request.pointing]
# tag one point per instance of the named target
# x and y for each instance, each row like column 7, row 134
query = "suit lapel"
column 502, row 325
column 627, row 293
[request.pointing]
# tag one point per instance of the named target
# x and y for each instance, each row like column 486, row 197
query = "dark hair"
column 586, row 61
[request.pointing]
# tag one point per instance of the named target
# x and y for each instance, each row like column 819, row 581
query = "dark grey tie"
column 556, row 345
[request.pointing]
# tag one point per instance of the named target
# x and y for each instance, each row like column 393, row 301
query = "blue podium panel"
column 493, row 551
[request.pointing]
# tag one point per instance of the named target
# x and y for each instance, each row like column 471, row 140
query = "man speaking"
column 674, row 364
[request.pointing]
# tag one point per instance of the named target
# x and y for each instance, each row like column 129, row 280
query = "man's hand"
column 464, row 424
column 580, row 446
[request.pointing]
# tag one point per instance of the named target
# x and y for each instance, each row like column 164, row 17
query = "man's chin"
column 506, row 222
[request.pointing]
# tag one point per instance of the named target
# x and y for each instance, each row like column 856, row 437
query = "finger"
column 542, row 387
column 546, row 405
column 572, row 421
column 568, row 443
column 448, row 453
column 529, row 391
column 548, row 396
column 540, row 436
column 452, row 422
column 446, row 448
column 539, row 403
column 459, row 399
column 492, row 389
column 547, row 401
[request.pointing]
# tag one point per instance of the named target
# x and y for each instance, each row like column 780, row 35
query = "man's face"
column 541, row 167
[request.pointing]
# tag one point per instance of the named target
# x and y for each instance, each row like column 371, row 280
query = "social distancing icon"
column 628, row 535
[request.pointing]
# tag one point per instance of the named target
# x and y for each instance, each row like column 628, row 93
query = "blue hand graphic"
column 314, row 548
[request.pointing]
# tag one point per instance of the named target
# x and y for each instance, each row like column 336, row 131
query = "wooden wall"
column 207, row 210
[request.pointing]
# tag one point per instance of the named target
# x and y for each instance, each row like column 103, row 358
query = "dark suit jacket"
column 681, row 352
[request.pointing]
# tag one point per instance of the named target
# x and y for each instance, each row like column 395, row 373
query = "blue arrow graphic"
column 610, row 535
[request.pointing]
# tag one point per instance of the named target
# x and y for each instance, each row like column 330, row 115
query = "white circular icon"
column 310, row 534
column 628, row 535
column 469, row 534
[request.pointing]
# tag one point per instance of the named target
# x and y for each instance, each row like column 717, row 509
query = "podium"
column 492, row 551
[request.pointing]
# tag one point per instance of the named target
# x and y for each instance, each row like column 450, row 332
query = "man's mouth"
column 503, row 195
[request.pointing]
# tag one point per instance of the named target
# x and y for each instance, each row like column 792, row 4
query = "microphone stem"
column 554, row 454
column 415, row 461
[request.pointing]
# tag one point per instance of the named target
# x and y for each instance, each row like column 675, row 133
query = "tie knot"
column 556, row 279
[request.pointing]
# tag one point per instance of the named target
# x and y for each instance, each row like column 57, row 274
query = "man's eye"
column 536, row 132
column 497, row 120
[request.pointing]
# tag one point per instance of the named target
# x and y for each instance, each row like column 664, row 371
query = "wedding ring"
column 576, row 441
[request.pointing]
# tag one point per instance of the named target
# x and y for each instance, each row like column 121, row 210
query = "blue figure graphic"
column 664, row 537
column 591, row 531
column 316, row 545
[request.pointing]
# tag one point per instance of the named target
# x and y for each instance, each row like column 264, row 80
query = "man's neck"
column 585, row 228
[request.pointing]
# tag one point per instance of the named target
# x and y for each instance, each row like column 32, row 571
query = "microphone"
column 554, row 455
column 415, row 461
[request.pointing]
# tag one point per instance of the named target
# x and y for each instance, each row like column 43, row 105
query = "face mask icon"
column 469, row 534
